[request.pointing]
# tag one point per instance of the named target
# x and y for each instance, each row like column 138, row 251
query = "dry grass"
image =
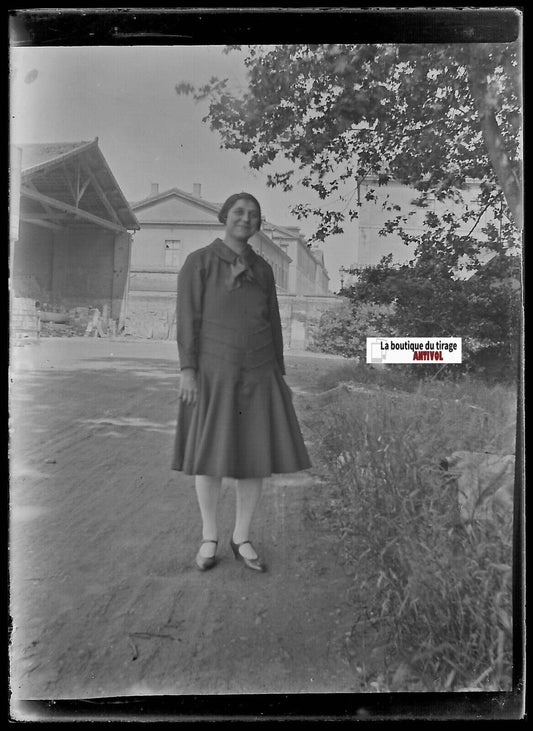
column 436, row 591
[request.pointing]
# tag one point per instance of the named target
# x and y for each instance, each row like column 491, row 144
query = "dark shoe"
column 252, row 563
column 204, row 563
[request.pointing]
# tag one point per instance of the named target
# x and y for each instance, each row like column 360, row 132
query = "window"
column 172, row 253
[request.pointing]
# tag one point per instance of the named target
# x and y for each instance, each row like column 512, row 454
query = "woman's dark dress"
column 243, row 423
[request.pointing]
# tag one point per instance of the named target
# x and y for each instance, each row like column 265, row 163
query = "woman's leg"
column 207, row 492
column 248, row 493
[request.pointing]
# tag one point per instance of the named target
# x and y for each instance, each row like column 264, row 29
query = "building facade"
column 175, row 223
column 373, row 214
column 307, row 271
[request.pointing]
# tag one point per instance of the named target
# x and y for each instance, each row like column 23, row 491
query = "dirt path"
column 105, row 598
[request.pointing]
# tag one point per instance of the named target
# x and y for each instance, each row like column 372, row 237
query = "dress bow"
column 239, row 269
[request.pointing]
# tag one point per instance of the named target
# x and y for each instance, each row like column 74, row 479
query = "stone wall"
column 152, row 315
column 24, row 318
column 300, row 316
column 157, row 280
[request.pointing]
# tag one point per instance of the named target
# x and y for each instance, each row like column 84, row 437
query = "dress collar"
column 224, row 252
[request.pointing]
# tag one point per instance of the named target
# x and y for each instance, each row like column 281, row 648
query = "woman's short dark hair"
column 230, row 202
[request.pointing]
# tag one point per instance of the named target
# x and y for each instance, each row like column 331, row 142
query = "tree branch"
column 492, row 136
column 478, row 219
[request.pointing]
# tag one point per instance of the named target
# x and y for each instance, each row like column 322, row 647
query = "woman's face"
column 243, row 219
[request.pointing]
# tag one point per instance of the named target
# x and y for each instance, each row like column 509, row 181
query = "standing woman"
column 235, row 416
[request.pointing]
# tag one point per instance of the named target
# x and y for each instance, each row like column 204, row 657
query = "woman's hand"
column 188, row 387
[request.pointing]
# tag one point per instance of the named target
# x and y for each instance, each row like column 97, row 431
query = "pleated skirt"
column 241, row 426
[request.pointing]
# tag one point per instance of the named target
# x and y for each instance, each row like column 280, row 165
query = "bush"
column 343, row 331
column 425, row 299
column 437, row 590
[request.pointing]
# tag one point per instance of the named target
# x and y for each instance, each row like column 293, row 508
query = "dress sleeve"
column 275, row 323
column 189, row 311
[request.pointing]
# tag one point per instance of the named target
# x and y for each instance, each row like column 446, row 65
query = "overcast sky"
column 125, row 96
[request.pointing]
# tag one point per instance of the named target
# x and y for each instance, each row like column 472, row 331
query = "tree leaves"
column 323, row 106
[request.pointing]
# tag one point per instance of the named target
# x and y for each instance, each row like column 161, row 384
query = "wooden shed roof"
column 70, row 183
